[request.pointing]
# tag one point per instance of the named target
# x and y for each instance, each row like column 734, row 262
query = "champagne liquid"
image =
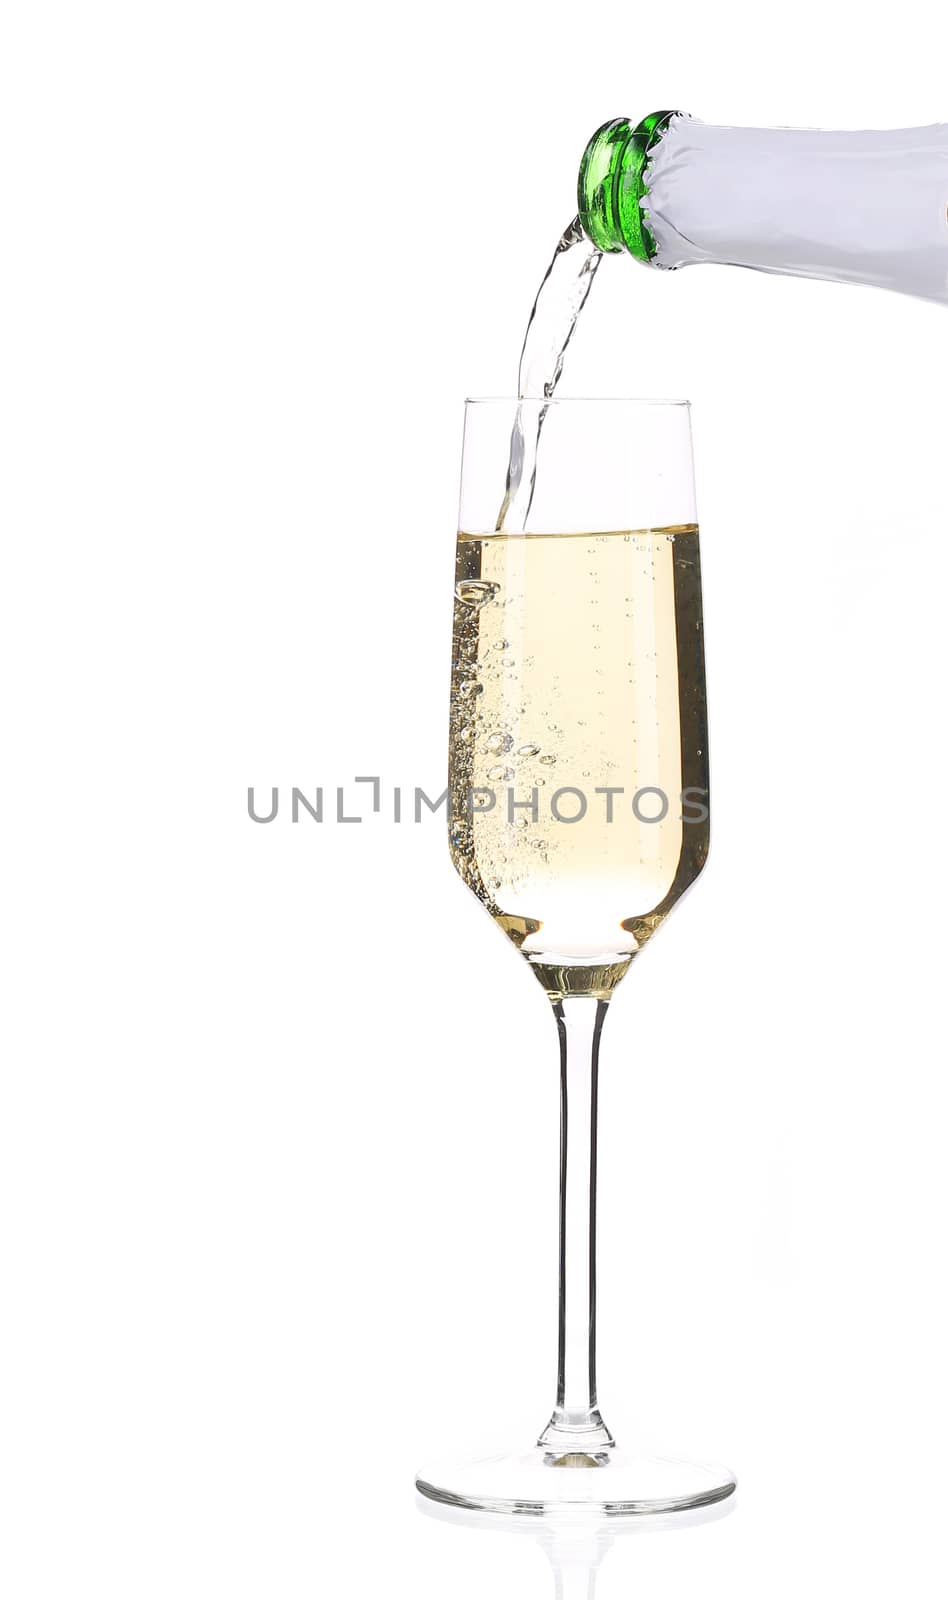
column 578, row 666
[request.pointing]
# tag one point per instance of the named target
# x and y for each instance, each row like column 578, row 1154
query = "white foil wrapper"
column 868, row 207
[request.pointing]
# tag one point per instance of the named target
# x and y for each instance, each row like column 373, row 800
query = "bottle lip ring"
column 573, row 400
column 612, row 191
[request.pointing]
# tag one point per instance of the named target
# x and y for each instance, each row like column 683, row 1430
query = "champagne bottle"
column 860, row 207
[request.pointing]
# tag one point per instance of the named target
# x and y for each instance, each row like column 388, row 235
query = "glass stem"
column 576, row 1426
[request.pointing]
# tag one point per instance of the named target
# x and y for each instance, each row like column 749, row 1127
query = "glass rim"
column 572, row 400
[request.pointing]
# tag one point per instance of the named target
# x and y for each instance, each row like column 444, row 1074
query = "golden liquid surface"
column 578, row 665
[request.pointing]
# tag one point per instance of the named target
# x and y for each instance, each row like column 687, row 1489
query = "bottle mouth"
column 611, row 184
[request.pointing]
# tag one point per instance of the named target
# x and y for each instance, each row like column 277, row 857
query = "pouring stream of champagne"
column 561, row 297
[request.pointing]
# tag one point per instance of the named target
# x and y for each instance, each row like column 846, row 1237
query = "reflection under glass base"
column 611, row 1482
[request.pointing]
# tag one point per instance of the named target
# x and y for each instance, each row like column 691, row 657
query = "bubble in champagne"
column 476, row 592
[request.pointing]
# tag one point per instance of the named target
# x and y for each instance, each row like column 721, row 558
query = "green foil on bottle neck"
column 612, row 184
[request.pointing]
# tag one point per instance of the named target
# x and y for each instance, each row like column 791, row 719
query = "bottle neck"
column 863, row 207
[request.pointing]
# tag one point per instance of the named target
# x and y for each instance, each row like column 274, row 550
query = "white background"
column 279, row 1109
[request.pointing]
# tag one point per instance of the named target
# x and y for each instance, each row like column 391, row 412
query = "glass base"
column 611, row 1482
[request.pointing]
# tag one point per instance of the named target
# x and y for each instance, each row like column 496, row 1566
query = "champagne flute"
column 578, row 797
